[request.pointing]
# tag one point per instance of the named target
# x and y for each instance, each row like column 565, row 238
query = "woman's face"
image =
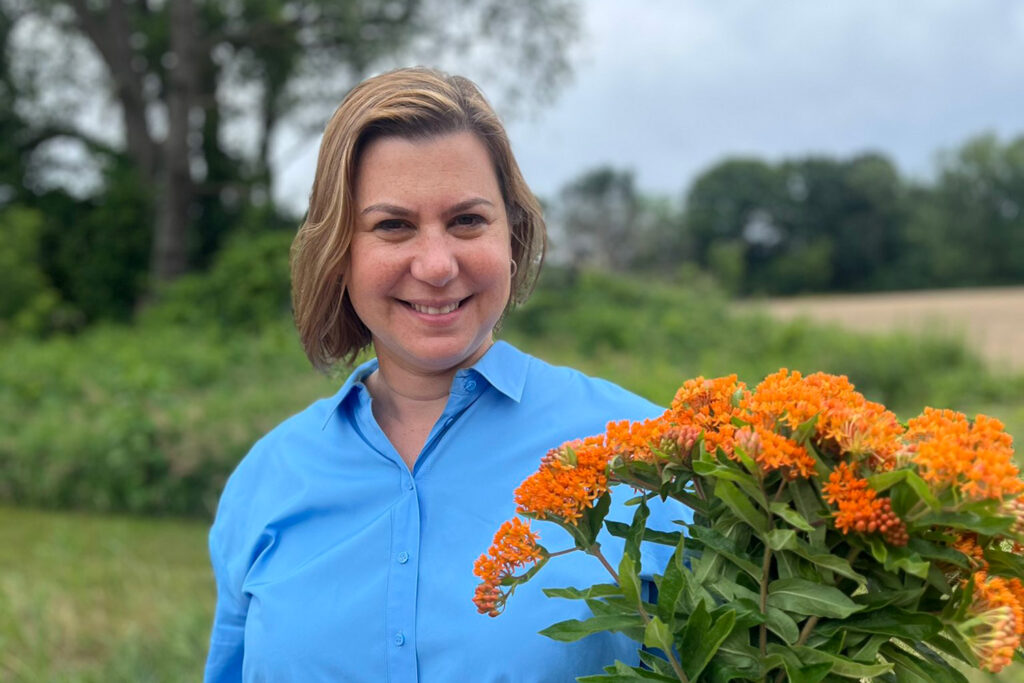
column 430, row 270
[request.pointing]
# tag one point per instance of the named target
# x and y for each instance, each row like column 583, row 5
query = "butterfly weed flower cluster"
column 829, row 540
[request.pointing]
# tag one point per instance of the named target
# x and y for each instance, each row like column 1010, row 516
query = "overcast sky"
column 668, row 88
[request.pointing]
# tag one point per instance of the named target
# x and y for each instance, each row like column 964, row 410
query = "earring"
column 515, row 267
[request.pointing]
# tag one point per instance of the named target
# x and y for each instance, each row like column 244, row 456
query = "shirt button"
column 409, row 485
column 399, row 639
column 449, row 422
column 470, row 385
column 403, row 557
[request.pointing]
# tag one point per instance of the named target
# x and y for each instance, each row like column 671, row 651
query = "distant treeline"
column 812, row 224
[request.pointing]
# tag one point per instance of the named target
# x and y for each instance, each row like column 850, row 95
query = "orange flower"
column 976, row 459
column 785, row 397
column 568, row 482
column 863, row 429
column 993, row 628
column 706, row 403
column 633, row 440
column 775, row 452
column 846, row 421
column 860, row 508
column 967, row 544
column 1014, row 509
column 514, row 547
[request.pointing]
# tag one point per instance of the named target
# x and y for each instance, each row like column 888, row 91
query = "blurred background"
column 730, row 187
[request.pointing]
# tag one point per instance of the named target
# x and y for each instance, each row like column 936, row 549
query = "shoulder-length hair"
column 412, row 103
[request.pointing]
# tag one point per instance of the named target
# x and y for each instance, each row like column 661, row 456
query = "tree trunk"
column 170, row 255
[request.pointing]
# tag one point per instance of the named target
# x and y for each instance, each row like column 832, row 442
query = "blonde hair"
column 414, row 103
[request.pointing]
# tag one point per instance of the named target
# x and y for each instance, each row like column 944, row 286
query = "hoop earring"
column 515, row 267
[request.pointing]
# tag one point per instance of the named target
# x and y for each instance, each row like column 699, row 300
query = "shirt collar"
column 503, row 366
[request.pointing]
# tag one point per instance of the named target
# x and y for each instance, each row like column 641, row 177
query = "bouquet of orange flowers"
column 828, row 539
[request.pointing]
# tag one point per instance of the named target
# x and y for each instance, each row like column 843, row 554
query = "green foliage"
column 810, row 224
column 148, row 420
column 968, row 229
column 246, row 287
column 96, row 250
column 650, row 335
column 28, row 301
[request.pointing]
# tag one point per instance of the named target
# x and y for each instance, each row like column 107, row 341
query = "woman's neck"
column 407, row 406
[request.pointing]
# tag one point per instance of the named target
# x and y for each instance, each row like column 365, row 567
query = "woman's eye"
column 391, row 226
column 468, row 220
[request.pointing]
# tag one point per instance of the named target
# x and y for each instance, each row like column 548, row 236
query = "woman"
column 344, row 542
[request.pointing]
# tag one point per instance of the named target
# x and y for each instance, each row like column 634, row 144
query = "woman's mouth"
column 435, row 310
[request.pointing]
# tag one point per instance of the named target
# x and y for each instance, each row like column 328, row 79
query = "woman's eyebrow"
column 393, row 209
column 396, row 210
column 469, row 204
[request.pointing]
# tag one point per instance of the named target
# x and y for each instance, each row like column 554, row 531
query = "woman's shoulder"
column 563, row 391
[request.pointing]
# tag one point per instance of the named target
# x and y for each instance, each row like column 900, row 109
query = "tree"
column 598, row 213
column 183, row 73
column 970, row 227
column 807, row 224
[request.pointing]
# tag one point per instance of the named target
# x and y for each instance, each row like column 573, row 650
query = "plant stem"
column 805, row 633
column 595, row 550
column 563, row 552
column 699, row 488
column 766, row 566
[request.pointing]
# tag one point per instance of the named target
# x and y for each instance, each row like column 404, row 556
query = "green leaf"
column 834, row 563
column 629, row 579
column 672, row 583
column 740, row 505
column 882, row 597
column 623, row 673
column 869, row 650
column 573, row 629
column 805, row 597
column 791, row 516
column 780, row 539
column 988, row 526
column 886, row 480
column 636, row 530
column 910, row 667
column 841, row 666
column 720, row 544
column 657, row 664
column 662, row 537
column 700, row 643
column 593, row 519
column 894, row 558
column 598, row 590
column 657, row 634
column 782, row 625
column 895, row 623
column 742, row 479
column 797, row 671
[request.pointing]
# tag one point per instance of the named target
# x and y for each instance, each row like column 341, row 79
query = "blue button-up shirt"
column 334, row 562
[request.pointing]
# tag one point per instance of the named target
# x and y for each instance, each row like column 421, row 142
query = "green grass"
column 86, row 598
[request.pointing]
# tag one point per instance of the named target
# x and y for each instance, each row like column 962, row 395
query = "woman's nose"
column 435, row 262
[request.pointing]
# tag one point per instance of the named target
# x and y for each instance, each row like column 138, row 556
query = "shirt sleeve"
column 227, row 639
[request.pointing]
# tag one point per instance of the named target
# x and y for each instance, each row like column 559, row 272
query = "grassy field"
column 97, row 599
column 990, row 319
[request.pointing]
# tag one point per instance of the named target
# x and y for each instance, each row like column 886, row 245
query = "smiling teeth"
column 430, row 310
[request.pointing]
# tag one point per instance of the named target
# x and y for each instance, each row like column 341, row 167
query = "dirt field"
column 990, row 319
